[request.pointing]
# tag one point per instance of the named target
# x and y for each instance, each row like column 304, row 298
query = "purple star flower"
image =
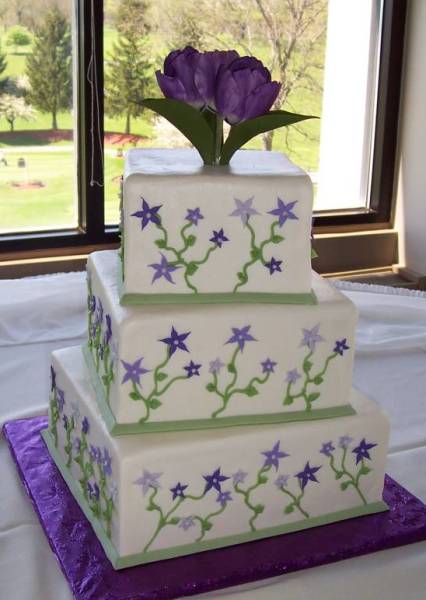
column 311, row 337
column 216, row 366
column 194, row 215
column 94, row 492
column 362, row 449
column 65, row 421
column 76, row 444
column 223, row 498
column 186, row 523
column 340, row 347
column 308, row 474
column 273, row 456
column 219, row 238
column 292, row 376
column 345, row 441
column 101, row 351
column 214, row 481
column 91, row 303
column 192, row 369
column 163, row 269
column 178, row 491
column 327, row 449
column 147, row 214
column 133, row 371
column 147, row 481
column 244, row 210
column 106, row 463
column 281, row 481
column 95, row 454
column 52, row 378
column 284, row 211
column 268, row 366
column 176, row 341
column 108, row 332
column 239, row 477
column 85, row 426
column 60, row 399
column 241, row 336
column 274, row 265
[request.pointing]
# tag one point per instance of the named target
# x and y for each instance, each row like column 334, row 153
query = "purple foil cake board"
column 91, row 576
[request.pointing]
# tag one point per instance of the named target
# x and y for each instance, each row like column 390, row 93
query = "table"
column 38, row 315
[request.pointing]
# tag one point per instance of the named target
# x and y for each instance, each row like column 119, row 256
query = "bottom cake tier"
column 155, row 496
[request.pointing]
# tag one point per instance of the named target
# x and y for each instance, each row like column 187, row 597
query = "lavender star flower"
column 292, row 376
column 361, row 451
column 163, row 269
column 192, row 369
column 76, row 444
column 178, row 491
column 99, row 315
column 186, row 523
column 133, row 371
column 219, row 238
column 113, row 490
column 106, row 463
column 216, row 366
column 75, row 411
column 311, row 337
column 268, row 366
column 340, row 347
column 214, row 481
column 85, row 426
column 281, row 481
column 52, row 378
column 274, row 265
column 147, row 481
column 239, row 477
column 284, row 211
column 147, row 214
column 244, row 210
column 95, row 454
column 273, row 456
column 308, row 474
column 176, row 341
column 60, row 399
column 241, row 336
column 223, row 498
column 194, row 215
column 345, row 441
column 327, row 449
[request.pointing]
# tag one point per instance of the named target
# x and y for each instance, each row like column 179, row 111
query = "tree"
column 49, row 66
column 3, row 67
column 129, row 72
column 18, row 36
column 12, row 108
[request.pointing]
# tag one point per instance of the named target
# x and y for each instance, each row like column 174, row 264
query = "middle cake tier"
column 158, row 368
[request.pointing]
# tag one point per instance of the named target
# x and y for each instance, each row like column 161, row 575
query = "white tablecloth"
column 40, row 314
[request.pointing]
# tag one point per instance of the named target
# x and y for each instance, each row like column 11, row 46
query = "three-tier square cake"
column 213, row 403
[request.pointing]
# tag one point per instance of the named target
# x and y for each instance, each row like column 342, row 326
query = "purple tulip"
column 177, row 81
column 244, row 90
column 208, row 66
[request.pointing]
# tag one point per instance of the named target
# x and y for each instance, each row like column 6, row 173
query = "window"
column 335, row 45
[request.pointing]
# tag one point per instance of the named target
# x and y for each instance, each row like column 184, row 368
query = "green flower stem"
column 54, row 416
column 106, row 514
column 259, row 380
column 108, row 376
column 170, row 383
column 258, row 508
column 206, row 521
column 225, row 395
column 256, row 251
column 68, row 447
column 343, row 471
column 96, row 344
column 295, row 503
column 163, row 519
column 316, row 379
column 86, row 468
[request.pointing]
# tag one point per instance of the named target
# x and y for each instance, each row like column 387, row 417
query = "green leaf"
column 259, row 508
column 307, row 365
column 242, row 277
column 150, row 507
column 276, row 239
column 344, row 486
column 191, row 268
column 190, row 240
column 105, row 379
column 135, row 396
column 255, row 253
column 174, row 520
column 207, row 525
column 189, row 121
column 160, row 243
column 251, row 391
column 288, row 509
column 210, row 387
column 318, row 380
column 288, row 400
column 161, row 376
column 154, row 403
column 231, row 368
column 339, row 474
column 314, row 253
column 263, row 479
column 241, row 133
column 364, row 470
column 314, row 396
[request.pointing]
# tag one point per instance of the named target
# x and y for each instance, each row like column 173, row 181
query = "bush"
column 18, row 36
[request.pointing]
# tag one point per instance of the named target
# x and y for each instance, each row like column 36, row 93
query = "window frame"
column 92, row 233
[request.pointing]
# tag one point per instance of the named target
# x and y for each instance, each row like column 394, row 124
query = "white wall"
column 411, row 194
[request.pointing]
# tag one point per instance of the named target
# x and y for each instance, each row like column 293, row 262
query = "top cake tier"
column 195, row 233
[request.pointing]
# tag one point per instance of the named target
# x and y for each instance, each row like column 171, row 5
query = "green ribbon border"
column 122, row 562
column 193, row 424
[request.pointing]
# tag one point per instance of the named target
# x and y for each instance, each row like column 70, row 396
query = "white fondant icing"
column 279, row 333
column 176, row 181
column 190, row 458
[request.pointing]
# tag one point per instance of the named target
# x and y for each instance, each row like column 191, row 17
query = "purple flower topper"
column 206, row 88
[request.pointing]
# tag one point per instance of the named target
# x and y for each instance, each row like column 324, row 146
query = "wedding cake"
column 213, row 403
